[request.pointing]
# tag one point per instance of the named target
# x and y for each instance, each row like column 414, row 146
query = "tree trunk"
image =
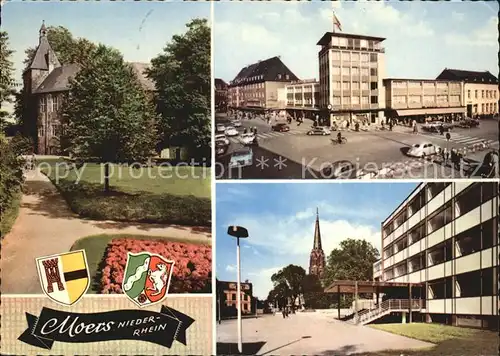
column 106, row 177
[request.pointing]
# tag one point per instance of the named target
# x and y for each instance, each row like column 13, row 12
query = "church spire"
column 43, row 30
column 317, row 233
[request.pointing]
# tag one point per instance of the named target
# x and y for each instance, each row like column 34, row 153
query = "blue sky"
column 280, row 220
column 139, row 30
column 422, row 38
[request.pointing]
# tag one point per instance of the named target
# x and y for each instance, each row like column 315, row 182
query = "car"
column 241, row 158
column 236, row 123
column 280, row 127
column 220, row 128
column 435, row 126
column 231, row 131
column 247, row 139
column 320, row 130
column 221, row 147
column 222, row 137
column 423, row 149
column 468, row 123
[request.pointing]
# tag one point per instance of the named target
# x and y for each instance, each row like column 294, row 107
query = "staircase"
column 366, row 316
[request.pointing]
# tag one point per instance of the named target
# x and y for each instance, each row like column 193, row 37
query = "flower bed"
column 192, row 270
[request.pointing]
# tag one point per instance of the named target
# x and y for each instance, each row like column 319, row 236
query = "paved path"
column 46, row 226
column 308, row 334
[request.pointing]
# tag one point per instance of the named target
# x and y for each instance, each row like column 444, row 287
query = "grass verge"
column 95, row 248
column 9, row 216
column 139, row 194
column 448, row 340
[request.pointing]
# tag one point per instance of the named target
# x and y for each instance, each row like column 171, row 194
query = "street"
column 310, row 333
column 293, row 154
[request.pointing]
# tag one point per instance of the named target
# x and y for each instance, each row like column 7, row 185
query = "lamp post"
column 238, row 232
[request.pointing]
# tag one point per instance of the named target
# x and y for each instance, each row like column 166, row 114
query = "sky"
column 140, row 30
column 280, row 220
column 422, row 38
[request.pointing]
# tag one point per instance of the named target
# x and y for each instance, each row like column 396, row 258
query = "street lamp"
column 238, row 232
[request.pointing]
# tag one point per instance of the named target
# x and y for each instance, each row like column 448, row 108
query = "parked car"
column 241, row 158
column 231, row 131
column 319, row 130
column 435, row 126
column 220, row 128
column 468, row 123
column 423, row 149
column 236, row 123
column 222, row 137
column 247, row 139
column 281, row 127
column 220, row 147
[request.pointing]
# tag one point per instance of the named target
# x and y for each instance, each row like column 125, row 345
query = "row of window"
column 50, row 103
column 478, row 283
column 355, row 42
column 354, row 100
column 354, row 71
column 337, row 85
column 425, row 85
column 250, row 79
column 354, row 56
column 53, row 130
column 255, row 94
column 490, row 94
column 487, row 108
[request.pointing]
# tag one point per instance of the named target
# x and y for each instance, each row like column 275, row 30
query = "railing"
column 391, row 304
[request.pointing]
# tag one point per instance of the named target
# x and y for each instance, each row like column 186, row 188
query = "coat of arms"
column 147, row 278
column 65, row 277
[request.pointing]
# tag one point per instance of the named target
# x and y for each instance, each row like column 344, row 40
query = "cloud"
column 233, row 193
column 261, row 281
column 487, row 36
column 457, row 16
column 231, row 268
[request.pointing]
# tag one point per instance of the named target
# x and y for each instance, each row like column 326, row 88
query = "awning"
column 431, row 111
column 349, row 287
column 300, row 108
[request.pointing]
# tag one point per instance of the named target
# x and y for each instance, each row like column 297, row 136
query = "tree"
column 292, row 276
column 67, row 48
column 353, row 260
column 279, row 294
column 6, row 76
column 106, row 115
column 183, row 82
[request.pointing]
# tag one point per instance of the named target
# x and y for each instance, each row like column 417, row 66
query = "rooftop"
column 328, row 35
column 468, row 76
column 271, row 69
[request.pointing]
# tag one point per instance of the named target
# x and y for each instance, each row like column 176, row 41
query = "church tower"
column 317, row 259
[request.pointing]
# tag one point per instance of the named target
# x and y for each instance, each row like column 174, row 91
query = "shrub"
column 192, row 269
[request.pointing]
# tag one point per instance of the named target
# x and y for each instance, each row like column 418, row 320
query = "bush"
column 192, row 270
column 11, row 175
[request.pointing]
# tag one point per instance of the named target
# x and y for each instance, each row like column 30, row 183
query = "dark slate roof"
column 272, row 69
column 40, row 58
column 219, row 83
column 468, row 76
column 58, row 79
column 139, row 69
column 328, row 36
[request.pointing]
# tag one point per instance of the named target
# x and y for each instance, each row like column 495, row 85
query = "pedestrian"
column 415, row 130
column 284, row 312
column 390, row 125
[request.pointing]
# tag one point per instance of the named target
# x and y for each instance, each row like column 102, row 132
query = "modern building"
column 227, row 292
column 46, row 84
column 255, row 88
column 302, row 98
column 421, row 98
column 317, row 257
column 445, row 237
column 221, row 99
column 351, row 69
column 480, row 90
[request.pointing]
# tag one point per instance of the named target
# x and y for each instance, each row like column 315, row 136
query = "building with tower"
column 46, row 84
column 317, row 258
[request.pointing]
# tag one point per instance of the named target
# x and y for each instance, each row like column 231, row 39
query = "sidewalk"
column 45, row 226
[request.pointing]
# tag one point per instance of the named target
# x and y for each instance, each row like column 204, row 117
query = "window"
column 346, row 56
column 287, row 77
column 399, row 99
column 476, row 93
column 482, row 108
column 495, row 94
column 468, row 94
column 373, row 71
column 364, row 57
column 336, row 55
column 355, row 57
column 363, row 43
column 336, row 85
column 454, row 98
column 336, row 100
column 414, row 99
column 355, row 100
column 355, row 85
column 336, row 70
column 346, row 71
column 43, row 104
column 442, row 86
column 364, row 100
column 442, row 98
column 364, row 71
column 373, row 57
column 373, row 85
column 346, row 86
column 428, row 99
column 364, row 86
column 482, row 94
column 355, row 71
column 346, row 100
column 41, row 131
column 343, row 42
column 374, row 99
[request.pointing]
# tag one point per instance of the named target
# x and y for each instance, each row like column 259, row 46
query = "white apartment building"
column 445, row 236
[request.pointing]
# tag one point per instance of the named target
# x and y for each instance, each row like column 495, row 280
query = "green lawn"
column 95, row 247
column 154, row 194
column 9, row 215
column 449, row 340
